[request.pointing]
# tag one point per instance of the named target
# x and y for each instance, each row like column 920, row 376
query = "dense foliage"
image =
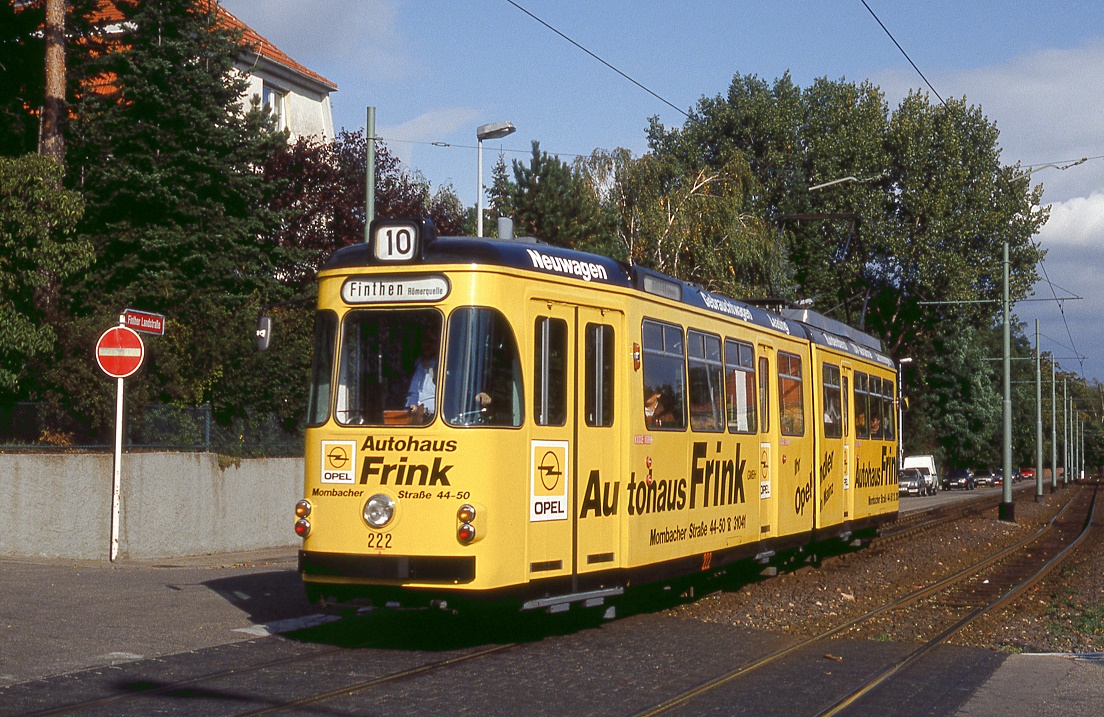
column 38, row 251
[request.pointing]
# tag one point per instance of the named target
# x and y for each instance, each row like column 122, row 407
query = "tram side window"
column 664, row 377
column 862, row 424
column 791, row 400
column 740, row 386
column 482, row 371
column 322, row 365
column 388, row 367
column 888, row 412
column 875, row 385
column 833, row 412
column 599, row 375
column 706, row 386
column 550, row 372
column 764, row 394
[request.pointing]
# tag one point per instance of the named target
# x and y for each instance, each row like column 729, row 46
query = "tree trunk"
column 53, row 111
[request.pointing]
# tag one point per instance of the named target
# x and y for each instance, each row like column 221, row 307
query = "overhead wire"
column 673, row 106
column 891, row 37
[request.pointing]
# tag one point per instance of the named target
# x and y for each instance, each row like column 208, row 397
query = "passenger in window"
column 875, row 427
column 655, row 413
column 421, row 399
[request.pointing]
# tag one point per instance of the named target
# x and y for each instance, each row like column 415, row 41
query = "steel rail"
column 1008, row 595
column 902, row 601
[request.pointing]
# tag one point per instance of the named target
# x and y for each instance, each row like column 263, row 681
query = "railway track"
column 967, row 595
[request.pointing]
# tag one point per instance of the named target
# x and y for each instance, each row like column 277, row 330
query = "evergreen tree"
column 169, row 162
column 551, row 202
column 22, row 77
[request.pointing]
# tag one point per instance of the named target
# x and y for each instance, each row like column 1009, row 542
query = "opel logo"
column 337, row 457
column 550, row 470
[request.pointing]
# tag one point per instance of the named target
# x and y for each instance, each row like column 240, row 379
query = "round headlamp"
column 379, row 510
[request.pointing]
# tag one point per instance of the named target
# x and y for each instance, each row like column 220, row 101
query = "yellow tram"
column 508, row 420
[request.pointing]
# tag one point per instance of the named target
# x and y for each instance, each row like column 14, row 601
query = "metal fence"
column 42, row 427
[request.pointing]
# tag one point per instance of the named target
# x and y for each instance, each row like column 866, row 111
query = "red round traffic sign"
column 120, row 351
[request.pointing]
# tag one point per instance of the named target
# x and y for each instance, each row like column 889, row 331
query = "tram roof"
column 531, row 254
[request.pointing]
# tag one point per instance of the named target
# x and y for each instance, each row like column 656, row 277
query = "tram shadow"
column 275, row 596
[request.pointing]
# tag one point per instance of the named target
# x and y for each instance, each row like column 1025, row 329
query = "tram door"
column 573, row 492
column 768, row 445
column 848, row 442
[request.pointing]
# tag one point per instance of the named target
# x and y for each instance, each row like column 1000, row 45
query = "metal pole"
column 116, row 473
column 1007, row 510
column 1038, row 419
column 479, row 195
column 370, row 173
column 900, row 415
column 1065, row 433
column 1077, row 446
column 1053, row 429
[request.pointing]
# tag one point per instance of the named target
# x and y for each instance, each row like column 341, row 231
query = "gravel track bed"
column 1064, row 614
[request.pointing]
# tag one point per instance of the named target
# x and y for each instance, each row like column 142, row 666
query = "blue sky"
column 436, row 69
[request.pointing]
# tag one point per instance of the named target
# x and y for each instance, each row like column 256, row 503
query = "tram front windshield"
column 389, row 369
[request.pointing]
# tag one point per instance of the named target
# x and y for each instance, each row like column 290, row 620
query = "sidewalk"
column 1041, row 685
column 60, row 616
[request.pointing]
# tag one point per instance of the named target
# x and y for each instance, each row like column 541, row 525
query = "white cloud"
column 432, row 126
column 360, row 33
column 1076, row 222
column 1046, row 105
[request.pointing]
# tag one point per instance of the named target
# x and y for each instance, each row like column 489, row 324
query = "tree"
column 694, row 224
column 321, row 204
column 549, row 199
column 967, row 400
column 22, row 81
column 39, row 249
column 169, row 161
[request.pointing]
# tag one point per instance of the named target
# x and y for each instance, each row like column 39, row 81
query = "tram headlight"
column 302, row 527
column 302, row 509
column 379, row 510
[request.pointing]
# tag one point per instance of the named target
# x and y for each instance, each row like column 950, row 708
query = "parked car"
column 926, row 466
column 910, row 481
column 1027, row 474
column 985, row 477
column 960, row 479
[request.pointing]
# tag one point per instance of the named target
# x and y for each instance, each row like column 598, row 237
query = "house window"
column 274, row 99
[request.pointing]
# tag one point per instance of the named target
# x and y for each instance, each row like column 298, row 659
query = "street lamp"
column 494, row 130
column 901, row 409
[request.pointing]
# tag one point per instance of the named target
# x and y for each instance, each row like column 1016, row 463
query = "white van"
column 926, row 465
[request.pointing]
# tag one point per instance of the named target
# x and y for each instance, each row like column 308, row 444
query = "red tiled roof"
column 266, row 49
column 109, row 11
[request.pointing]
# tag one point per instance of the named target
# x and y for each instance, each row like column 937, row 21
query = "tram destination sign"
column 394, row 288
column 145, row 321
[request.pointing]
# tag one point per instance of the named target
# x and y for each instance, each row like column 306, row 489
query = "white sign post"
column 119, row 352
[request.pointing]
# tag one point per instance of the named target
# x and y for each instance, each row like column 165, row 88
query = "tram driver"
column 421, row 399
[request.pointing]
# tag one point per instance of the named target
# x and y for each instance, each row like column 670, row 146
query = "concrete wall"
column 173, row 504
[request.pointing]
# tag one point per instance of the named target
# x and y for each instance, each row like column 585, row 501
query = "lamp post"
column 494, row 130
column 901, row 409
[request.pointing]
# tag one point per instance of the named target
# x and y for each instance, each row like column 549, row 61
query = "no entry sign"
column 120, row 351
